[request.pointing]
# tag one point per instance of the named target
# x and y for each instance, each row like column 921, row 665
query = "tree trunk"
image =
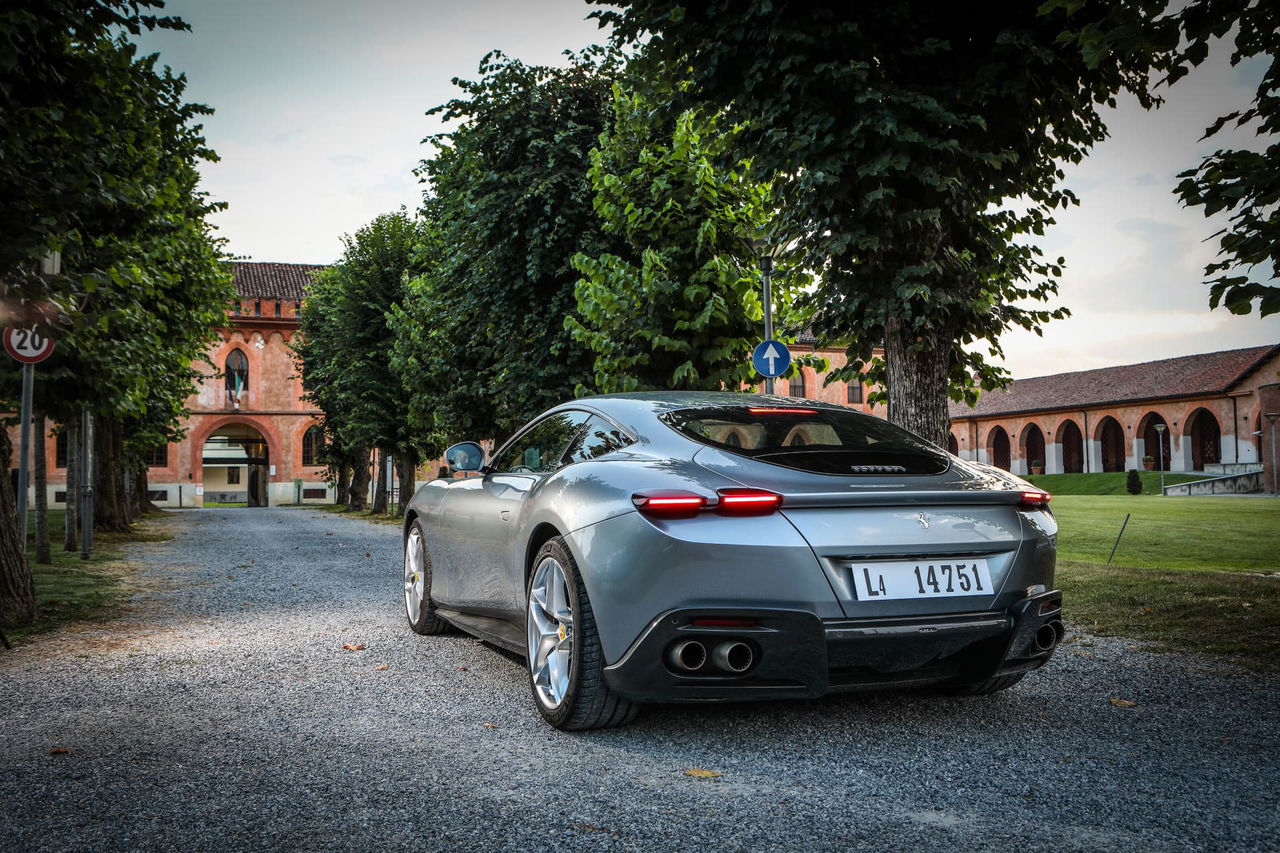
column 17, row 592
column 358, row 499
column 342, row 494
column 110, row 509
column 41, row 473
column 142, row 493
column 71, row 536
column 916, row 372
column 384, row 487
column 406, row 472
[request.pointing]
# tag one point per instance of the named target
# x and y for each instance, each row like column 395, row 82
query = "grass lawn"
column 1111, row 483
column 1199, row 574
column 70, row 589
column 368, row 515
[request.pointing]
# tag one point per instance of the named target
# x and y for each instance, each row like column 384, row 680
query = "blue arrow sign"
column 771, row 358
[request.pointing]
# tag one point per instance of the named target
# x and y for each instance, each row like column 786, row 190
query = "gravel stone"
column 223, row 714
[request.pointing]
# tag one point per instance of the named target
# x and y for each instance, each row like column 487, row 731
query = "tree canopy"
column 915, row 148
column 680, row 307
column 510, row 204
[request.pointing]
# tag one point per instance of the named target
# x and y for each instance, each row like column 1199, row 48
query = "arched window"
column 312, row 444
column 796, row 387
column 237, row 376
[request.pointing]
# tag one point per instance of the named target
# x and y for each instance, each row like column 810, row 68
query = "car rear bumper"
column 794, row 654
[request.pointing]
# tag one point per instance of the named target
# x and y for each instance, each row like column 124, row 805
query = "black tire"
column 991, row 685
column 588, row 702
column 426, row 621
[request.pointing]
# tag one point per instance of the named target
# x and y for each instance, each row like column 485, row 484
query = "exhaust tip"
column 1059, row 630
column 733, row 656
column 687, row 656
column 1046, row 637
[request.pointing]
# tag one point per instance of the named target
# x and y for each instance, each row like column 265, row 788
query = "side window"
column 541, row 448
column 599, row 437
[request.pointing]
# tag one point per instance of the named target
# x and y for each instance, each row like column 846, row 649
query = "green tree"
column 681, row 307
column 512, row 203
column 345, row 349
column 147, row 280
column 915, row 148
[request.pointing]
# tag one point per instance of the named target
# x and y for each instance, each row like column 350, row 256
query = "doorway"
column 236, row 467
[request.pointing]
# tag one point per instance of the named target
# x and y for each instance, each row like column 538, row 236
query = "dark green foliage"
column 1133, row 483
column 898, row 136
column 681, row 307
column 345, row 351
column 482, row 339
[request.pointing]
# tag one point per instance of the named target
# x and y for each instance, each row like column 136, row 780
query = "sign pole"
column 24, row 462
column 766, row 271
column 86, row 484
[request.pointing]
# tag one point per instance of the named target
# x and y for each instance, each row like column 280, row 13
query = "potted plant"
column 1037, row 466
column 1148, row 462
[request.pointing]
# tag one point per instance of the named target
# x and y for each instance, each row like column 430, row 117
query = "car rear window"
column 823, row 441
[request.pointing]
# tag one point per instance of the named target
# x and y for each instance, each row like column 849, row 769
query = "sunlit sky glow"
column 320, row 119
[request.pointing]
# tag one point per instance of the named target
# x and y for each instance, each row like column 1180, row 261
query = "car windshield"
column 822, row 441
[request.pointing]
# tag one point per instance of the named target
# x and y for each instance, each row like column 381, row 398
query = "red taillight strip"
column 1036, row 498
column 674, row 503
column 748, row 500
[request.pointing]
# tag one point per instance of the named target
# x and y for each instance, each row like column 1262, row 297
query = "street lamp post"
column 1160, row 441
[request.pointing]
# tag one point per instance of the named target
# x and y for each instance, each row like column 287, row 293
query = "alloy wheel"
column 550, row 630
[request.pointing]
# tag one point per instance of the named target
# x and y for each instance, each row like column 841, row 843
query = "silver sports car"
column 711, row 546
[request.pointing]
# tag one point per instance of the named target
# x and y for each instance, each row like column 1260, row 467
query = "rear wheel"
column 566, row 663
column 991, row 685
column 417, row 585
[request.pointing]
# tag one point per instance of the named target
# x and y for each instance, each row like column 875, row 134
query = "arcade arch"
column 1110, row 438
column 1154, row 444
column 1071, row 440
column 1032, row 445
column 998, row 448
column 1205, row 434
column 236, row 466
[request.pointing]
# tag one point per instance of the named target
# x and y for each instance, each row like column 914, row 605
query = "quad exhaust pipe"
column 732, row 656
column 687, row 655
column 1049, row 635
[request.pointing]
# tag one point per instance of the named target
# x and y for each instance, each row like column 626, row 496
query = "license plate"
column 924, row 579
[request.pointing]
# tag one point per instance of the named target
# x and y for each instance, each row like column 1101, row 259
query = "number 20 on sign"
column 29, row 346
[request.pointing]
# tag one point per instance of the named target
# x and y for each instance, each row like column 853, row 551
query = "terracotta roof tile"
column 274, row 281
column 1185, row 376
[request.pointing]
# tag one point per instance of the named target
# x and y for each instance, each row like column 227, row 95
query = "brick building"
column 1105, row 420
column 250, row 437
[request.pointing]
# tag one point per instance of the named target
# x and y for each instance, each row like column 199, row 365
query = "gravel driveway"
column 225, row 715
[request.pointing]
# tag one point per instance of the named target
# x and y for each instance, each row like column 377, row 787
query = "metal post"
column 86, row 485
column 24, row 462
column 1271, row 416
column 1160, row 441
column 766, row 271
column 391, row 481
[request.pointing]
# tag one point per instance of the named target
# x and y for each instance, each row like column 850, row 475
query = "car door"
column 488, row 576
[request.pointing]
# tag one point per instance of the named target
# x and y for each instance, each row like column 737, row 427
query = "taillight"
column 679, row 504
column 1035, row 500
column 747, row 502
column 670, row 504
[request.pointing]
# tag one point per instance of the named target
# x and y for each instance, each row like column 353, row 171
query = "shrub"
column 1134, row 483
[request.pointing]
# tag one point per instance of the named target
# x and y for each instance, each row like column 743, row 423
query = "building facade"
column 250, row 437
column 1109, row 419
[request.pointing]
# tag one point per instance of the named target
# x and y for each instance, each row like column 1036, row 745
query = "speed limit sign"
column 29, row 346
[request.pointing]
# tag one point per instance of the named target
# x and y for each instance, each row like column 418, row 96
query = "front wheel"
column 566, row 663
column 417, row 585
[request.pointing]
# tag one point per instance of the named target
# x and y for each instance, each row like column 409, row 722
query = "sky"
column 320, row 116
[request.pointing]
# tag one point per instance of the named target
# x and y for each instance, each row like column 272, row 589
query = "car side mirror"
column 465, row 456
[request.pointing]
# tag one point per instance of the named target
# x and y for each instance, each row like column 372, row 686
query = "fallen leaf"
column 367, row 554
column 59, row 750
column 328, row 534
column 380, row 667
column 353, row 647
column 462, row 669
column 251, row 562
column 700, row 773
column 489, row 726
column 1123, row 703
